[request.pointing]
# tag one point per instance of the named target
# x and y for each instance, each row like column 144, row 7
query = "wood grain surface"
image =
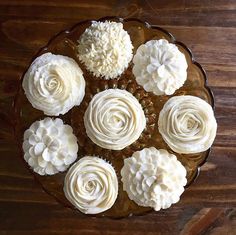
column 208, row 28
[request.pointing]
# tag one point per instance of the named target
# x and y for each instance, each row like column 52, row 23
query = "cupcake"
column 49, row 146
column 114, row 119
column 159, row 67
column 106, row 49
column 91, row 185
column 187, row 124
column 153, row 178
column 54, row 84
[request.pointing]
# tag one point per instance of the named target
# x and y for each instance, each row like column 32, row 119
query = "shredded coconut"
column 105, row 48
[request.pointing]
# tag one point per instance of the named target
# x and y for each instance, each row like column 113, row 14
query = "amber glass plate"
column 65, row 44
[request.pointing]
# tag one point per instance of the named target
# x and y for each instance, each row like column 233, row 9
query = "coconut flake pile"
column 106, row 49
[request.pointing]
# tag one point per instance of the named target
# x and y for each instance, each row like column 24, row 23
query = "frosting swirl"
column 49, row 146
column 187, row 124
column 114, row 119
column 106, row 49
column 160, row 67
column 54, row 84
column 153, row 178
column 91, row 185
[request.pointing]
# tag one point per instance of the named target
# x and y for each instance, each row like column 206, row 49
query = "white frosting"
column 160, row 67
column 54, row 84
column 106, row 49
column 114, row 119
column 91, row 185
column 153, row 178
column 49, row 146
column 187, row 124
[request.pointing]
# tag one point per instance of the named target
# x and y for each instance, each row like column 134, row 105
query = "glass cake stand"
column 64, row 43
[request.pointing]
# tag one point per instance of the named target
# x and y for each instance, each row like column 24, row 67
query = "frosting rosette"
column 54, row 84
column 49, row 146
column 91, row 185
column 105, row 48
column 114, row 119
column 160, row 67
column 153, row 178
column 187, row 124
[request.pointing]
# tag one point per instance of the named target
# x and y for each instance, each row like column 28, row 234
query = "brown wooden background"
column 208, row 27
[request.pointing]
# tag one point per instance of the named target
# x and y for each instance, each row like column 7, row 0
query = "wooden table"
column 209, row 28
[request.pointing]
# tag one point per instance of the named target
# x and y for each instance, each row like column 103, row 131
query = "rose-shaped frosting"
column 187, row 124
column 114, row 119
column 153, row 178
column 91, row 185
column 160, row 67
column 54, row 84
column 106, row 49
column 49, row 146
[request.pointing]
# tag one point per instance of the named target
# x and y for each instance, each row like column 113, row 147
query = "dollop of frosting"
column 160, row 67
column 49, row 146
column 153, row 178
column 54, row 84
column 114, row 119
column 91, row 185
column 187, row 124
column 106, row 49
